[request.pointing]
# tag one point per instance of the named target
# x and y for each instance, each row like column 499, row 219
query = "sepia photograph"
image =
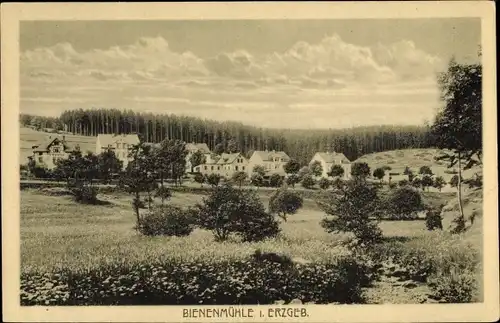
column 252, row 167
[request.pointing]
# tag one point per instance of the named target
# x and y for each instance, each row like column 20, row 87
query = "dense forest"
column 300, row 144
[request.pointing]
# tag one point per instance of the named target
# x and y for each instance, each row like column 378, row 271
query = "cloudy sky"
column 280, row 73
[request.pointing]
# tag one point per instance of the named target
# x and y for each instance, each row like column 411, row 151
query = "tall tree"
column 458, row 126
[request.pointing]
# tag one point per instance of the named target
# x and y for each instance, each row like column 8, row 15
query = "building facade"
column 224, row 165
column 328, row 159
column 52, row 149
column 120, row 144
column 272, row 161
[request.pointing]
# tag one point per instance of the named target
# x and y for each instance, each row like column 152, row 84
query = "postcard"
column 249, row 162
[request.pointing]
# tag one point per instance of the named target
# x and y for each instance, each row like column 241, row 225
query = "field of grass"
column 55, row 231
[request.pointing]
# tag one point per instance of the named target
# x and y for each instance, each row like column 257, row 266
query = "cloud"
column 329, row 62
column 331, row 82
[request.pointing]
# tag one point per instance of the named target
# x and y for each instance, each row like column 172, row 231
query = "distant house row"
column 226, row 164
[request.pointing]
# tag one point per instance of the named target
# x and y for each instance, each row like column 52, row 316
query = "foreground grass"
column 57, row 232
column 59, row 235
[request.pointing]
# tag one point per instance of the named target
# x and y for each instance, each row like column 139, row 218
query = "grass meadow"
column 59, row 234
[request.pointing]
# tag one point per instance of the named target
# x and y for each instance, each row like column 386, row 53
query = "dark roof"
column 45, row 145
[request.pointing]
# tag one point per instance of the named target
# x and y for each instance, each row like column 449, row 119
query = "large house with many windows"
column 224, row 165
column 120, row 144
column 52, row 149
column 328, row 159
column 272, row 161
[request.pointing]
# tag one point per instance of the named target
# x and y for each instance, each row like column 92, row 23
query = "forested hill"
column 300, row 144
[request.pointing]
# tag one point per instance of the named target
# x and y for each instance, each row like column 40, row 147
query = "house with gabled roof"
column 120, row 144
column 272, row 161
column 328, row 159
column 224, row 165
column 52, row 149
column 194, row 147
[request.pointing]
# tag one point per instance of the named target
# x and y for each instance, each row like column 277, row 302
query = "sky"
column 268, row 73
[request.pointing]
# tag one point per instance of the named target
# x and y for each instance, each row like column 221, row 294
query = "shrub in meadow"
column 292, row 179
column 404, row 203
column 84, row 194
column 324, row 183
column 433, row 219
column 167, row 220
column 275, row 180
column 354, row 208
column 308, row 181
column 257, row 179
column 284, row 202
column 229, row 211
column 455, row 286
column 213, row 179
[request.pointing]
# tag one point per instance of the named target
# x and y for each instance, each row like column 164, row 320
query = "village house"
column 224, row 165
column 272, row 161
column 52, row 149
column 120, row 144
column 194, row 147
column 328, row 159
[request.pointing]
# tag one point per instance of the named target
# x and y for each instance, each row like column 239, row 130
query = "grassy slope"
column 414, row 158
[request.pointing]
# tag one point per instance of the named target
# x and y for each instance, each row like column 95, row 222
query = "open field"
column 59, row 234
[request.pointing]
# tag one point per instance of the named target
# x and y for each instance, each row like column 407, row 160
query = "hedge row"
column 193, row 283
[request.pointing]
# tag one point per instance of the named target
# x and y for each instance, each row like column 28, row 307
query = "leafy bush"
column 433, row 219
column 164, row 193
column 456, row 286
column 199, row 178
column 403, row 203
column 435, row 257
column 213, row 179
column 308, row 181
column 284, row 202
column 360, row 170
column 324, row 183
column 292, row 179
column 275, row 180
column 167, row 220
column 354, row 208
column 227, row 210
column 257, row 179
column 84, row 194
column 251, row 281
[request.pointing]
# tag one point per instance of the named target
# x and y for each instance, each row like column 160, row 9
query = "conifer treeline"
column 300, row 144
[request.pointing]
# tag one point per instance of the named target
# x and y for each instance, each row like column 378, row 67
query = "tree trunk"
column 459, row 188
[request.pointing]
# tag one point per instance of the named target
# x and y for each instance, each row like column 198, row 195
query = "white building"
column 120, row 144
column 328, row 159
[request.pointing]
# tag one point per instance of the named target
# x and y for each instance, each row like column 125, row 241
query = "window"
column 55, row 149
column 40, row 154
column 212, row 168
column 235, row 167
column 40, row 159
column 205, row 167
column 242, row 167
column 54, row 160
column 218, row 167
